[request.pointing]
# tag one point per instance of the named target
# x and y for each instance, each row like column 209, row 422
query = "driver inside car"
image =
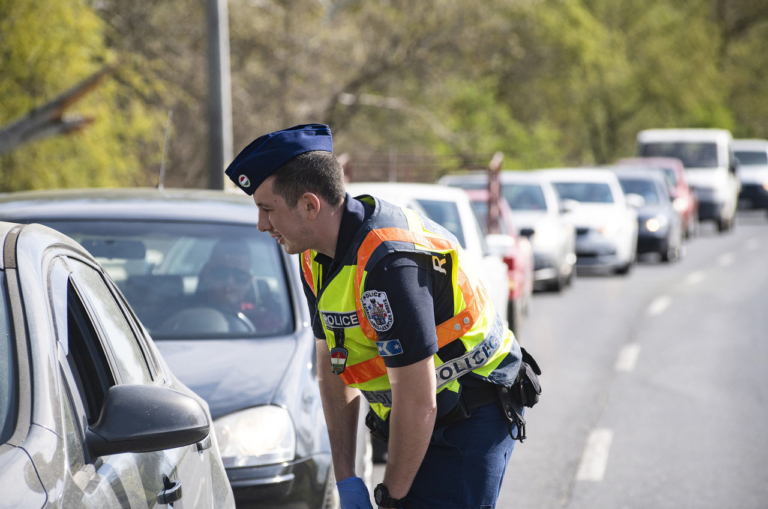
column 226, row 283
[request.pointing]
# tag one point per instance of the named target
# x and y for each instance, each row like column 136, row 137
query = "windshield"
column 669, row 174
column 752, row 158
column 446, row 214
column 585, row 192
column 192, row 280
column 480, row 208
column 524, row 196
column 692, row 154
column 7, row 369
column 645, row 188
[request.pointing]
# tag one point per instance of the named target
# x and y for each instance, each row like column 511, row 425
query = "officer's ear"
column 310, row 205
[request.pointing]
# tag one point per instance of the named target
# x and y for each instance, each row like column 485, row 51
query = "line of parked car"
column 154, row 339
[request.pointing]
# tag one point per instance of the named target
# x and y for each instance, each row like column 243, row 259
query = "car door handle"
column 204, row 443
column 171, row 491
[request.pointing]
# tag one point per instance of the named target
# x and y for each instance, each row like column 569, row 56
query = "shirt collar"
column 351, row 220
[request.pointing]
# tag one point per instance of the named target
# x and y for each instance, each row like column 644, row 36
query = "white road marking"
column 658, row 305
column 726, row 259
column 627, row 357
column 595, row 457
column 753, row 244
column 695, row 277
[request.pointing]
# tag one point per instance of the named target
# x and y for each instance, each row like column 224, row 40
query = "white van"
column 710, row 167
column 753, row 172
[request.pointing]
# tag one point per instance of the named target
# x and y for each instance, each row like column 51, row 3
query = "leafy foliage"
column 548, row 82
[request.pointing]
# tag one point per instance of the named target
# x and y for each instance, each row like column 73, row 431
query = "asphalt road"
column 655, row 384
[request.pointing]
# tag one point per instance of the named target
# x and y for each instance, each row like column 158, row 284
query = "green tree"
column 46, row 47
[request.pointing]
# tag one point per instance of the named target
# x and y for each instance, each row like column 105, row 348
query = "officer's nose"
column 263, row 223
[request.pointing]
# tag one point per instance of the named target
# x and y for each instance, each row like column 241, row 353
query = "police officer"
column 399, row 317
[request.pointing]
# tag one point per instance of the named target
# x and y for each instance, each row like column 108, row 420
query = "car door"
column 99, row 347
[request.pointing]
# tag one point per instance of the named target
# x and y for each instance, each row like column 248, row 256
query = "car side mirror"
column 635, row 200
column 499, row 245
column 145, row 418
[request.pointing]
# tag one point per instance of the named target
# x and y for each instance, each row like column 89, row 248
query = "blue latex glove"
column 353, row 494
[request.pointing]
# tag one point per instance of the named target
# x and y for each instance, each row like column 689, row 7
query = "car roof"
column 509, row 176
column 661, row 135
column 579, row 175
column 750, row 144
column 129, row 204
column 35, row 239
column 423, row 191
column 645, row 172
column 663, row 162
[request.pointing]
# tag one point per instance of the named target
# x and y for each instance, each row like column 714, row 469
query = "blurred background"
column 410, row 89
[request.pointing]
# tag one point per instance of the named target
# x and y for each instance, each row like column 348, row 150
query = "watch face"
column 378, row 494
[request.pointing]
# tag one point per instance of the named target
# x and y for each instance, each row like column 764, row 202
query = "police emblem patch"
column 377, row 310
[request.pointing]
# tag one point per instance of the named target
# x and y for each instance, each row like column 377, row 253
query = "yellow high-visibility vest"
column 474, row 322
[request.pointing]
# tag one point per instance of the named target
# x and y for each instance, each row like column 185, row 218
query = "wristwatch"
column 382, row 498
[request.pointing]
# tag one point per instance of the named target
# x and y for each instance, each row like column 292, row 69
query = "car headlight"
column 609, row 229
column 258, row 436
column 680, row 204
column 655, row 224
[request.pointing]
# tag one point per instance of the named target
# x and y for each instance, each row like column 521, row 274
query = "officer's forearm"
column 341, row 406
column 411, row 422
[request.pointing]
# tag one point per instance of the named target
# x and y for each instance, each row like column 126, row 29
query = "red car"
column 518, row 256
column 683, row 199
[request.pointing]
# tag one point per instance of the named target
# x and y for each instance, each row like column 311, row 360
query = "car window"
column 72, row 433
column 524, row 196
column 480, row 208
column 669, row 174
column 193, row 280
column 127, row 353
column 645, row 188
column 749, row 157
column 585, row 192
column 7, row 369
column 446, row 214
column 86, row 357
column 692, row 154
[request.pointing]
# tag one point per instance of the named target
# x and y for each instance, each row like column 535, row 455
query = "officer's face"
column 290, row 226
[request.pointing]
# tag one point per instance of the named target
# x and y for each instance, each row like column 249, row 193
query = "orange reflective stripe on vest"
column 306, row 267
column 447, row 331
column 364, row 371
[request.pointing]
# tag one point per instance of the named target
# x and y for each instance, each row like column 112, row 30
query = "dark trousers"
column 465, row 463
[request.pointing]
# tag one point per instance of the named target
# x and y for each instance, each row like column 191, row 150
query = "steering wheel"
column 238, row 320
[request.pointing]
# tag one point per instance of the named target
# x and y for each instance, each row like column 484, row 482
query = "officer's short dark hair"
column 317, row 172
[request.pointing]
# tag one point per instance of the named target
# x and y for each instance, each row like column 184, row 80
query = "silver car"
column 90, row 414
column 540, row 216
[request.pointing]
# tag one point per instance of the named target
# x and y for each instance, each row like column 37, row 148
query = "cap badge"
column 244, row 181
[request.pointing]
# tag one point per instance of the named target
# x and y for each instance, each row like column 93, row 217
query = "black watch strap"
column 382, row 498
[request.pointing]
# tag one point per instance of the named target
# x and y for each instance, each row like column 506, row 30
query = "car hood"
column 707, row 177
column 753, row 174
column 232, row 374
column 593, row 215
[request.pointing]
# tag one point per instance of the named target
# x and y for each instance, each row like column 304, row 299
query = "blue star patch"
column 389, row 348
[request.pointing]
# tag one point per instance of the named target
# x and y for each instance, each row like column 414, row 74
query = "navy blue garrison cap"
column 267, row 153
